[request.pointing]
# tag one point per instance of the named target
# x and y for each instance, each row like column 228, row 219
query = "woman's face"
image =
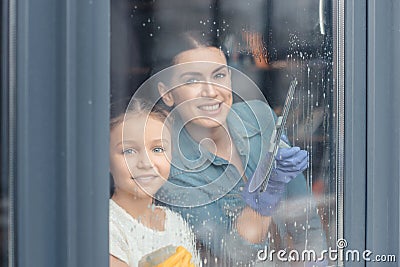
column 200, row 87
column 139, row 156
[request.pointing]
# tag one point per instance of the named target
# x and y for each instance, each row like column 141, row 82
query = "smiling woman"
column 219, row 146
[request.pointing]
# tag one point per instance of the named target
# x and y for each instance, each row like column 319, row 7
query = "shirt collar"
column 194, row 156
column 240, row 126
column 190, row 153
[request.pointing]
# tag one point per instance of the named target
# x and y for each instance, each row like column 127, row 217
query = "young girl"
column 140, row 149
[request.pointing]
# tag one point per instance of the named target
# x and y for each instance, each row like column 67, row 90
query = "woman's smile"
column 211, row 109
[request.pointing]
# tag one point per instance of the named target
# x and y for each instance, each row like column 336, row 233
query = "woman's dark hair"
column 170, row 45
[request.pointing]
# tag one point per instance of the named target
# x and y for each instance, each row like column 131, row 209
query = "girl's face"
column 139, row 155
column 201, row 87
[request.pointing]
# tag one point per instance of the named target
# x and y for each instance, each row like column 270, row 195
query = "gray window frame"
column 60, row 99
column 372, row 127
column 383, row 124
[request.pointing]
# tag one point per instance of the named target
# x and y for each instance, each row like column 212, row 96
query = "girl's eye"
column 128, row 151
column 158, row 149
column 192, row 80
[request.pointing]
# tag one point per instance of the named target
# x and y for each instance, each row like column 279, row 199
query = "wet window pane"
column 238, row 57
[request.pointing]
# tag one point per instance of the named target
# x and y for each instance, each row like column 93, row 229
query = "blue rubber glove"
column 289, row 163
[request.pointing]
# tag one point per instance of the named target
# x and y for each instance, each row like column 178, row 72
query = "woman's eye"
column 128, row 151
column 219, row 76
column 158, row 149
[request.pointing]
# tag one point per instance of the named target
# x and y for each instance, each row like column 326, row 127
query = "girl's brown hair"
column 136, row 106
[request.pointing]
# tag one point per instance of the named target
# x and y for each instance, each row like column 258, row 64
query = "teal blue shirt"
column 206, row 189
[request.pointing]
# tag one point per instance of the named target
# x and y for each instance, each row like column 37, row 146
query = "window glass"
column 267, row 47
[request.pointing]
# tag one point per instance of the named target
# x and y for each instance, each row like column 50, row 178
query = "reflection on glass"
column 266, row 44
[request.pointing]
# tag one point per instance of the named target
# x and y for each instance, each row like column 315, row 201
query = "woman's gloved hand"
column 289, row 163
